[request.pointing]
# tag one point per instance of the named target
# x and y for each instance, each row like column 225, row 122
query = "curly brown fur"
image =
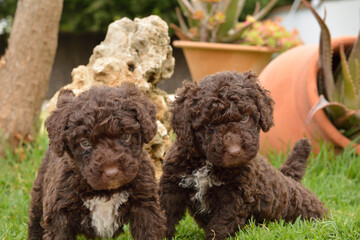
column 214, row 169
column 95, row 176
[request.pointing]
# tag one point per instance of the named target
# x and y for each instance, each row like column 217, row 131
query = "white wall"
column 342, row 18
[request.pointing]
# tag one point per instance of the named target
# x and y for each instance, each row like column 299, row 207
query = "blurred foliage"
column 7, row 7
column 7, row 10
column 95, row 15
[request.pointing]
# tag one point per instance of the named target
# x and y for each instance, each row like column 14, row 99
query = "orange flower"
column 295, row 32
column 198, row 15
column 220, row 17
column 194, row 31
column 217, row 19
column 278, row 19
column 250, row 19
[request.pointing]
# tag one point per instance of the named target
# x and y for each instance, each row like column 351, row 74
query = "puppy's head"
column 222, row 117
column 103, row 131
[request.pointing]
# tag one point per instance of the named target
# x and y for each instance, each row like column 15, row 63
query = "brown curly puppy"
column 95, row 177
column 214, row 169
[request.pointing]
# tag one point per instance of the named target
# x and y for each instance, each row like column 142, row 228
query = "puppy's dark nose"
column 111, row 172
column 234, row 149
column 232, row 143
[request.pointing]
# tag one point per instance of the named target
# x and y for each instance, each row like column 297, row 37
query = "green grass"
column 335, row 178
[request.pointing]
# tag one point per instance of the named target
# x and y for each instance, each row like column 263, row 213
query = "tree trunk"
column 26, row 66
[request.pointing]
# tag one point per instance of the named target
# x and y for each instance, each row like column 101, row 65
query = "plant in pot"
column 321, row 99
column 339, row 89
column 213, row 24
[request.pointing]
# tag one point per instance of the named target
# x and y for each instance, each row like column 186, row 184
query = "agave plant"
column 340, row 89
column 215, row 20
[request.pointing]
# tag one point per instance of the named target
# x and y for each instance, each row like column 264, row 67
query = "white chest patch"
column 104, row 213
column 201, row 180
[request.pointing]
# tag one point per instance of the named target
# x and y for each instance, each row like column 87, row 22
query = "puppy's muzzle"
column 111, row 172
column 233, row 144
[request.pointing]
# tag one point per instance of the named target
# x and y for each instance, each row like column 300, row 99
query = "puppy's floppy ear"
column 262, row 98
column 56, row 122
column 265, row 105
column 147, row 118
column 182, row 110
column 145, row 110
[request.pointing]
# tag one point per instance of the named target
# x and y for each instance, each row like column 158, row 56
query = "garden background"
column 332, row 174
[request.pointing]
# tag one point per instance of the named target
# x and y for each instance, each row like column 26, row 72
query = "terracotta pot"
column 204, row 58
column 292, row 81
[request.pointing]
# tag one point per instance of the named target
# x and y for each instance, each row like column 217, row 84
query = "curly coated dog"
column 213, row 168
column 95, row 176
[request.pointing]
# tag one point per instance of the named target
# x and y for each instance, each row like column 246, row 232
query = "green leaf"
column 354, row 67
column 237, row 34
column 357, row 77
column 233, row 11
column 325, row 56
column 340, row 85
column 339, row 113
column 353, row 132
column 337, row 109
column 354, row 56
column 350, row 97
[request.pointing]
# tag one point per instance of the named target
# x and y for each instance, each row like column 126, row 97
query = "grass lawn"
column 334, row 178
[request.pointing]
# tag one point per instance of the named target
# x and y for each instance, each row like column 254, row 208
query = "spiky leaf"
column 325, row 56
column 338, row 112
column 350, row 98
column 353, row 132
column 238, row 31
column 354, row 65
column 232, row 13
column 354, row 56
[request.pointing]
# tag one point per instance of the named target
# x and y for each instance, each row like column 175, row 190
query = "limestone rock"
column 138, row 51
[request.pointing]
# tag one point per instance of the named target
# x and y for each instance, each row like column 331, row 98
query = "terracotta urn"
column 204, row 58
column 292, row 80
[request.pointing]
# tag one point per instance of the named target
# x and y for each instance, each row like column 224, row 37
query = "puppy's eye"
column 85, row 144
column 210, row 128
column 124, row 138
column 244, row 118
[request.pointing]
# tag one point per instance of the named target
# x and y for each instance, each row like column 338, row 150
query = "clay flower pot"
column 292, row 81
column 204, row 58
